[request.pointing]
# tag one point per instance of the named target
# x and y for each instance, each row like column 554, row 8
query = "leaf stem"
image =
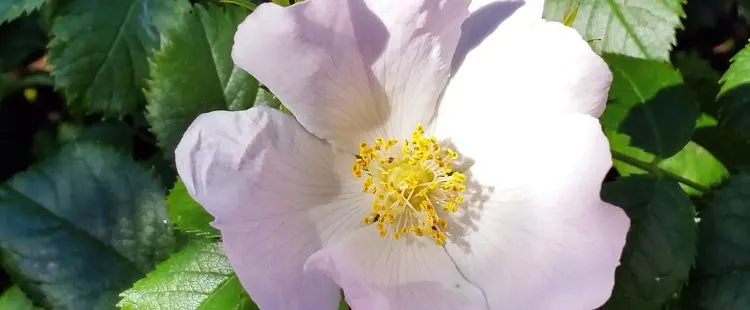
column 655, row 170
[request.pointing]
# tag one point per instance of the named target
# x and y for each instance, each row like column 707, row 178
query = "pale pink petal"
column 351, row 70
column 521, row 64
column 278, row 194
column 534, row 233
column 379, row 273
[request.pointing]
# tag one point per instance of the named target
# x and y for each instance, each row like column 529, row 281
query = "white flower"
column 492, row 204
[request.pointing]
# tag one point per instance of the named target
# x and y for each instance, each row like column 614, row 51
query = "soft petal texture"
column 524, row 65
column 534, row 233
column 384, row 274
column 351, row 70
column 278, row 195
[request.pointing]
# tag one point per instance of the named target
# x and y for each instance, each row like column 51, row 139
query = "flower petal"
column 534, row 233
column 278, row 195
column 379, row 273
column 351, row 70
column 525, row 65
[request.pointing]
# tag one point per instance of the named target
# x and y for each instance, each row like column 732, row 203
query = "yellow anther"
column 412, row 190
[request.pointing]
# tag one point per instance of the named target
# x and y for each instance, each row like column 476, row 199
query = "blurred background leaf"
column 82, row 226
column 22, row 40
column 14, row 299
column 12, row 9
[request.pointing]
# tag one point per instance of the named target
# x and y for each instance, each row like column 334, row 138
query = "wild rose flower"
column 442, row 155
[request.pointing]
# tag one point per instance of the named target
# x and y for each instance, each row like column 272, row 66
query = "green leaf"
column 193, row 73
column 15, row 299
column 734, row 97
column 22, row 38
column 660, row 248
column 650, row 104
column 722, row 274
column 12, row 9
column 637, row 28
column 187, row 214
column 45, row 145
column 198, row 277
column 343, row 305
column 100, row 51
column 728, row 147
column 111, row 133
column 702, row 79
column 693, row 163
column 82, row 226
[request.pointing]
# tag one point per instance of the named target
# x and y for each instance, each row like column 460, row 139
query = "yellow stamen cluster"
column 413, row 185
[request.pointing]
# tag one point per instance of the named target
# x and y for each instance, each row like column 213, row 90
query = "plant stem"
column 655, row 170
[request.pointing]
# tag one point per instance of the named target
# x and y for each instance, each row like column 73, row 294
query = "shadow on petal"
column 475, row 198
column 479, row 25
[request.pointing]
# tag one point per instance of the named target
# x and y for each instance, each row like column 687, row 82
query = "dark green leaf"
column 198, row 277
column 12, row 9
column 693, row 163
column 45, row 145
column 728, row 147
column 660, row 248
column 701, row 78
column 193, row 73
column 722, row 275
column 703, row 14
column 734, row 97
column 115, row 134
column 100, row 50
column 638, row 28
column 650, row 104
column 15, row 299
column 81, row 227
column 21, row 39
column 187, row 214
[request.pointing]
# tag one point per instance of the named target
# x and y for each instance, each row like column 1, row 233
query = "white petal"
column 384, row 274
column 537, row 67
column 278, row 195
column 534, row 233
column 351, row 70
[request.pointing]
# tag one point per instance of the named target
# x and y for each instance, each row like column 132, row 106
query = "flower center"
column 414, row 185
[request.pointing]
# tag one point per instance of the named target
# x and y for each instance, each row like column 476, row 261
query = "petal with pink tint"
column 278, row 194
column 534, row 233
column 351, row 70
column 524, row 64
column 379, row 273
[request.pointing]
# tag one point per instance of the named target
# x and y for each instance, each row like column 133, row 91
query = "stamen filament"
column 423, row 169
